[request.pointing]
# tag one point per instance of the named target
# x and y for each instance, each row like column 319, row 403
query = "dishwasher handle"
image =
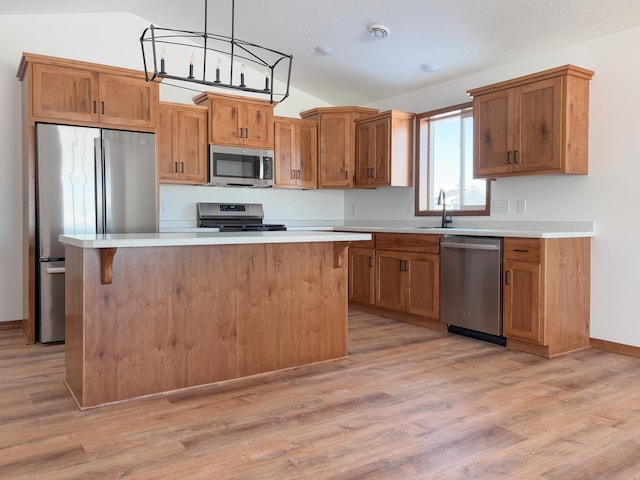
column 470, row 246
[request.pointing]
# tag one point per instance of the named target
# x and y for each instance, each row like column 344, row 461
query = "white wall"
column 608, row 195
column 111, row 39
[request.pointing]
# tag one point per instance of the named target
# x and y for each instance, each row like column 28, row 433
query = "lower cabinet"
column 546, row 294
column 397, row 274
column 408, row 282
column 361, row 275
column 546, row 291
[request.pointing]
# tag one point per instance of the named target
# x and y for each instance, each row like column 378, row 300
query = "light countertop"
column 207, row 238
column 473, row 231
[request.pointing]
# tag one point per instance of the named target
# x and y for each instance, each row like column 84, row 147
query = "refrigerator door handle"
column 55, row 269
column 106, row 195
column 99, row 185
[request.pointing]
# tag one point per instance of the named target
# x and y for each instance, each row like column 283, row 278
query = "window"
column 445, row 162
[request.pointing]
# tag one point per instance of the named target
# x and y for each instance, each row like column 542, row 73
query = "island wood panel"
column 177, row 317
column 292, row 307
column 567, row 277
column 74, row 331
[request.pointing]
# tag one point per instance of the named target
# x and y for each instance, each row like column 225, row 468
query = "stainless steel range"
column 235, row 217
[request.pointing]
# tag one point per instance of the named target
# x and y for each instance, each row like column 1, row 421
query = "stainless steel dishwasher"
column 471, row 286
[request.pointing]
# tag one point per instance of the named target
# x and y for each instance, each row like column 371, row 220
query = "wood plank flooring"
column 408, row 403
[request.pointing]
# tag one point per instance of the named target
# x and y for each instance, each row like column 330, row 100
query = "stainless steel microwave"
column 239, row 166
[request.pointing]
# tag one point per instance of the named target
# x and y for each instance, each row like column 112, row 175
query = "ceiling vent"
column 378, row 31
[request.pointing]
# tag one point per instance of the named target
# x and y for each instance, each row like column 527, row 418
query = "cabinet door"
column 423, row 290
column 181, row 142
column 538, row 126
column 307, row 143
column 522, row 302
column 128, row 101
column 65, row 93
column 258, row 126
column 191, row 148
column 168, row 168
column 364, row 153
column 285, row 168
column 226, row 122
column 336, row 150
column 361, row 275
column 390, row 273
column 493, row 133
column 380, row 161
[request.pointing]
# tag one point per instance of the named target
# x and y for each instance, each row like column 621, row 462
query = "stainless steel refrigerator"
column 88, row 180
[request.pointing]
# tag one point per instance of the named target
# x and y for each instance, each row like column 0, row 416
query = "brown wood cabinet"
column 537, row 124
column 407, row 273
column 546, row 294
column 384, row 150
column 296, row 152
column 81, row 94
column 361, row 275
column 336, row 138
column 181, row 144
column 238, row 121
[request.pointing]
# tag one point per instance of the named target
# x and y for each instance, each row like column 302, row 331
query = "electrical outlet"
column 354, row 209
column 163, row 206
column 290, row 209
column 501, row 206
column 522, row 206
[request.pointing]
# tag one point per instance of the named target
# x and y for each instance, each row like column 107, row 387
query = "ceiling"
column 460, row 36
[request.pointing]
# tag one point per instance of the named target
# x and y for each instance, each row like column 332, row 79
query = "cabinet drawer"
column 408, row 242
column 526, row 249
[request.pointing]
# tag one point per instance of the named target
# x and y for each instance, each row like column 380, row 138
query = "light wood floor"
column 408, row 403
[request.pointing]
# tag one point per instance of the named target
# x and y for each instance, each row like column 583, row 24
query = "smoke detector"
column 378, row 31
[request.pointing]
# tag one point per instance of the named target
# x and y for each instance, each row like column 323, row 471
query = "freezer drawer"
column 51, row 305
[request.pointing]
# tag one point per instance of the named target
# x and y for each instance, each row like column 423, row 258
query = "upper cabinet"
column 84, row 93
column 336, row 139
column 384, row 150
column 537, row 124
column 296, row 152
column 239, row 121
column 181, row 144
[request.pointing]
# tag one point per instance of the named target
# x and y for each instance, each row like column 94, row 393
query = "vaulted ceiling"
column 459, row 36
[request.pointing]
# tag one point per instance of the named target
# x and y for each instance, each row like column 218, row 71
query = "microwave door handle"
column 261, row 167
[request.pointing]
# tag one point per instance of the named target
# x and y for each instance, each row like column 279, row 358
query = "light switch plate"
column 522, row 206
column 501, row 206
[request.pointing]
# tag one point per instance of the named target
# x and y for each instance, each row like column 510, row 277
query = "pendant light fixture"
column 186, row 56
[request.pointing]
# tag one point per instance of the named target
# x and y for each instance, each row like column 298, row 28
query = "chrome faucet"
column 442, row 200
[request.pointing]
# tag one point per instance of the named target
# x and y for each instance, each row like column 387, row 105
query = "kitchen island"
column 152, row 313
